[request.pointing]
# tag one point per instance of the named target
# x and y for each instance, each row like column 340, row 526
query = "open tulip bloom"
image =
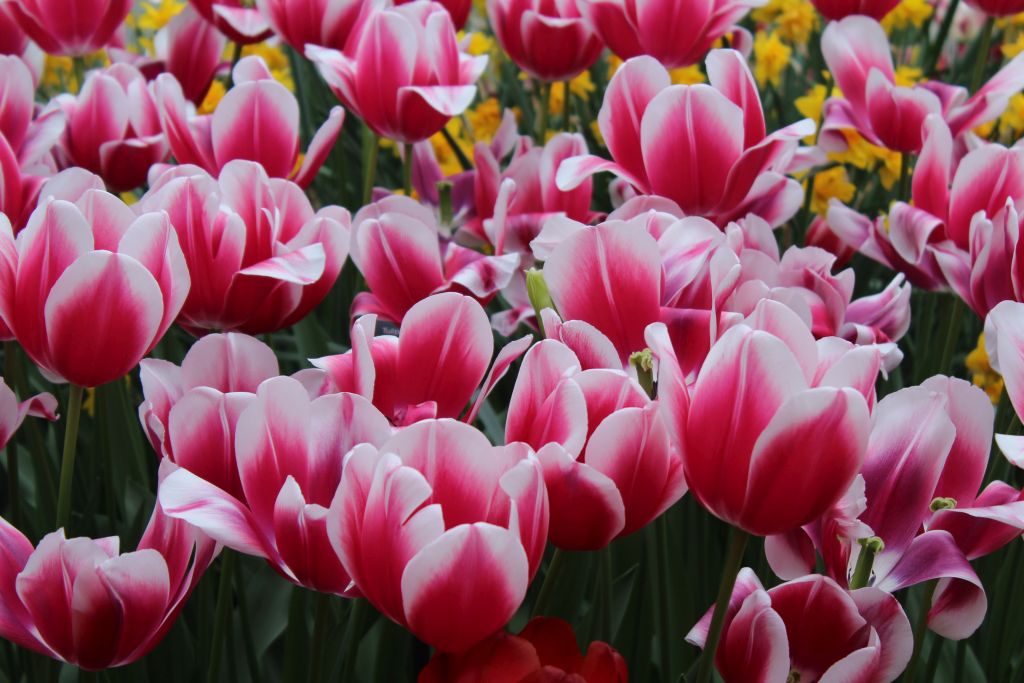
column 512, row 341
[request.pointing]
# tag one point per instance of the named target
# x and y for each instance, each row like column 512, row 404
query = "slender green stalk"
column 954, row 323
column 665, row 589
column 606, row 626
column 903, row 192
column 78, row 69
column 354, row 629
column 862, row 572
column 567, row 106
column 445, row 211
column 933, row 658
column 733, row 561
column 11, row 451
column 542, row 115
column 243, row 614
column 236, row 56
column 940, row 39
column 222, row 614
column 67, row 465
column 984, row 50
column 320, row 628
column 464, row 161
column 407, row 169
column 547, row 589
column 371, row 151
column 920, row 630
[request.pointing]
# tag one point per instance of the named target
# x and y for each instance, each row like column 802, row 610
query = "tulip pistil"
column 943, row 504
column 643, row 361
column 862, row 572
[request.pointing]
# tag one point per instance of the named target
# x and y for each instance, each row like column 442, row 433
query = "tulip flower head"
column 403, row 73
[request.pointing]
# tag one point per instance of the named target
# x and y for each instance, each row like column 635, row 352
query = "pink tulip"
column 258, row 120
column 704, row 147
column 236, row 19
column 26, row 141
column 84, row 602
column 397, row 247
column 70, row 28
column 261, row 257
column 675, row 32
column 88, row 287
column 609, row 465
column 188, row 47
column 412, row 515
column 840, row 9
column 430, row 370
column 190, row 413
column 1004, row 342
column 403, row 74
column 766, row 386
column 113, row 127
column 509, row 220
column 459, row 9
column 288, row 452
column 809, row 629
column 857, row 53
column 928, row 444
column 548, row 39
column 13, row 412
column 317, row 22
column 13, row 40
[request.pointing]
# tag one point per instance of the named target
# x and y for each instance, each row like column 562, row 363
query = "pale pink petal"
column 257, row 121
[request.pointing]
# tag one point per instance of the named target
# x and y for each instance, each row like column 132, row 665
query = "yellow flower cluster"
column 907, row 13
column 831, row 183
column 793, row 20
column 982, row 373
column 771, row 56
column 863, row 155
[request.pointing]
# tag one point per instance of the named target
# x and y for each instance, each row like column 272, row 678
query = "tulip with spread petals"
column 113, row 127
column 327, row 23
column 702, row 146
column 918, row 502
column 545, row 650
column 857, row 52
column 412, row 515
column 288, row 454
column 13, row 411
column 609, row 463
column 260, row 256
column 809, row 629
column 675, row 32
column 397, row 247
column 84, row 602
column 404, row 74
column 89, row 288
column 430, row 370
column 258, row 120
column 236, row 19
column 70, row 28
column 548, row 39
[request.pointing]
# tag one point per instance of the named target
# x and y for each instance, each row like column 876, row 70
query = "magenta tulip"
column 288, row 453
column 113, row 127
column 404, row 73
column 809, row 629
column 71, row 28
column 412, row 515
column 765, row 387
column 397, row 247
column 704, row 147
column 265, row 257
column 236, row 19
column 548, row 39
column 88, row 287
column 258, row 120
column 84, row 602
column 328, row 23
column 609, row 464
column 430, row 370
column 675, row 32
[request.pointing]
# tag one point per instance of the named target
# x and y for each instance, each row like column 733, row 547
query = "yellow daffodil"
column 982, row 373
column 771, row 56
column 828, row 184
